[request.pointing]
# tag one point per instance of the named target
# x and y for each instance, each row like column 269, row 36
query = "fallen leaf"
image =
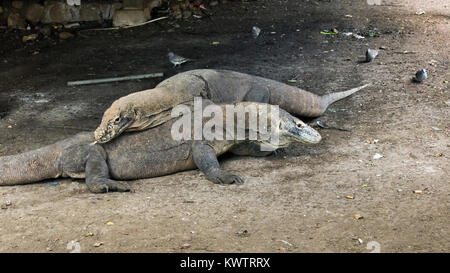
column 418, row 192
column 110, row 223
column 184, row 246
column 349, row 197
column 215, row 43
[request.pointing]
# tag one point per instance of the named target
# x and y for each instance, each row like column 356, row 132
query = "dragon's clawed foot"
column 105, row 186
column 224, row 177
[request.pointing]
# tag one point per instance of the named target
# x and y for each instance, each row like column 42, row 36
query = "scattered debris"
column 6, row 204
column 418, row 192
column 184, row 246
column 30, row 37
column 438, row 154
column 292, row 81
column 109, row 223
column 72, row 25
column 243, row 233
column 348, row 16
column 285, row 242
column 354, row 35
column 436, row 128
column 358, row 217
column 215, row 43
column 420, row 12
column 89, row 234
column 52, row 184
column 374, row 141
column 377, row 156
column 407, row 52
column 349, row 197
column 98, row 244
column 433, row 63
column 329, row 32
column 255, row 32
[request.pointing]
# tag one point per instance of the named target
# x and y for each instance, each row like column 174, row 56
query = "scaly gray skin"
column 138, row 155
column 149, row 108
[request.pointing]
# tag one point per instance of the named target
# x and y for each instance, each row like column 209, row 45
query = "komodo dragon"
column 149, row 108
column 137, row 155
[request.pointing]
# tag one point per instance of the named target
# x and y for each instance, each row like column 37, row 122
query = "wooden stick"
column 115, row 79
column 113, row 28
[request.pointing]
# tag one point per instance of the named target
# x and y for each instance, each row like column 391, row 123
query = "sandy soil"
column 295, row 201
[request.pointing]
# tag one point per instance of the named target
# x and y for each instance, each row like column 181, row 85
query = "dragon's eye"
column 117, row 120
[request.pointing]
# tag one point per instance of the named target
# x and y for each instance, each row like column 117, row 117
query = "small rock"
column 98, row 244
column 17, row 4
column 34, row 13
column 377, row 156
column 65, row 35
column 30, row 37
column 184, row 246
column 129, row 17
column 15, row 20
column 357, row 216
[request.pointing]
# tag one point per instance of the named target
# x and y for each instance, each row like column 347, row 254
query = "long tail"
column 326, row 100
column 301, row 102
column 36, row 165
column 30, row 167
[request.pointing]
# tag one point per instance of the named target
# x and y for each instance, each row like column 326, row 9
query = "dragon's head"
column 115, row 120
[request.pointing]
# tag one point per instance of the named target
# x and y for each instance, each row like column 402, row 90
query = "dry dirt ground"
column 295, row 201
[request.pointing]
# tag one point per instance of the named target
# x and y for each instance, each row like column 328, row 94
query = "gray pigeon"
column 177, row 60
column 421, row 75
column 255, row 32
column 371, row 54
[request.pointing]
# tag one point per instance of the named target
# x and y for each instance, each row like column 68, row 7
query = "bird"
column 255, row 32
column 177, row 60
column 421, row 75
column 371, row 54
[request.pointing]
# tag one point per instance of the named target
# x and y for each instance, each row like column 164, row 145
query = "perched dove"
column 371, row 54
column 421, row 75
column 177, row 60
column 255, row 32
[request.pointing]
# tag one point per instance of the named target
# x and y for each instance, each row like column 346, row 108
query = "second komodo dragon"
column 149, row 108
